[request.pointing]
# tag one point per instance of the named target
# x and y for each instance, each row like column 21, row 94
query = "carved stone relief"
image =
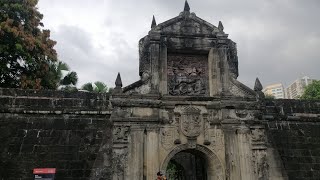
column 213, row 116
column 121, row 133
column 167, row 137
column 217, row 139
column 187, row 75
column 241, row 114
column 258, row 135
column 191, row 122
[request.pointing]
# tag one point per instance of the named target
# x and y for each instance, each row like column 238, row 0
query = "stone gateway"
column 188, row 116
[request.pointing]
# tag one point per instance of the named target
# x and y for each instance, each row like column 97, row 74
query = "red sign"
column 44, row 171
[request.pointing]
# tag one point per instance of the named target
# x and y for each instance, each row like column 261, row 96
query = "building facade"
column 276, row 90
column 296, row 89
column 188, row 110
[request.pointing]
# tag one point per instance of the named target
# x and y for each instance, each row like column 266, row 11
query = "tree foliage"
column 55, row 78
column 87, row 87
column 270, row 96
column 312, row 91
column 98, row 86
column 26, row 51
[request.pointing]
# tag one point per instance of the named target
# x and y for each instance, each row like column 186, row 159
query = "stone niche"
column 187, row 74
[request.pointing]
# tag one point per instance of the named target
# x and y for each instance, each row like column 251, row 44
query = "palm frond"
column 87, row 87
column 70, row 78
column 100, row 87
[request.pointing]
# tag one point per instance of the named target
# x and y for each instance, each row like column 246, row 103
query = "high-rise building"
column 296, row 89
column 276, row 90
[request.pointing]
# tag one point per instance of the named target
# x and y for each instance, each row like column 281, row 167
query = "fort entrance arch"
column 187, row 165
column 188, row 106
column 198, row 163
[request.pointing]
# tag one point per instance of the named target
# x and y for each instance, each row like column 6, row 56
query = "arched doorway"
column 206, row 166
column 188, row 165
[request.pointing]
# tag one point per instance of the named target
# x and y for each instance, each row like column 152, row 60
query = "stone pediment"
column 188, row 56
column 187, row 24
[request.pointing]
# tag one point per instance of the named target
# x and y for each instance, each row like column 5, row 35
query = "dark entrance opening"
column 188, row 165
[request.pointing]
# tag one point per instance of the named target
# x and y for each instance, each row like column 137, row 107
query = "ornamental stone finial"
column 153, row 24
column 186, row 6
column 220, row 26
column 257, row 85
column 118, row 82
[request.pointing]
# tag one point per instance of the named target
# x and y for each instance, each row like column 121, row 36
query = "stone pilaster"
column 163, row 68
column 152, row 165
column 136, row 152
column 232, row 152
column 214, row 72
column 120, row 151
column 224, row 69
column 245, row 153
column 238, row 151
column 259, row 150
column 155, row 59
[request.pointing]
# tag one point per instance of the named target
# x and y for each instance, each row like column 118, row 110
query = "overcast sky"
column 278, row 40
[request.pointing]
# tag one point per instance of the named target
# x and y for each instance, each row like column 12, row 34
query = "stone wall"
column 294, row 139
column 72, row 132
column 53, row 129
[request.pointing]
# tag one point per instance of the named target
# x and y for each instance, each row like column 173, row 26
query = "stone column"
column 152, row 154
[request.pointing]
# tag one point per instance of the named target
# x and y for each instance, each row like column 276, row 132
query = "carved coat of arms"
column 191, row 122
column 166, row 138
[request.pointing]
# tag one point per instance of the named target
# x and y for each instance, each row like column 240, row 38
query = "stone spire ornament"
column 258, row 89
column 186, row 6
column 220, row 26
column 118, row 82
column 257, row 85
column 153, row 24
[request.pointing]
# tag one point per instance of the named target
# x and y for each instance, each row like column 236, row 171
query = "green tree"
column 312, row 91
column 87, row 87
column 269, row 96
column 54, row 78
column 98, row 86
column 26, row 51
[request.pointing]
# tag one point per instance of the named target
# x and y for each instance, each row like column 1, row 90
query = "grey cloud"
column 76, row 48
column 277, row 40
